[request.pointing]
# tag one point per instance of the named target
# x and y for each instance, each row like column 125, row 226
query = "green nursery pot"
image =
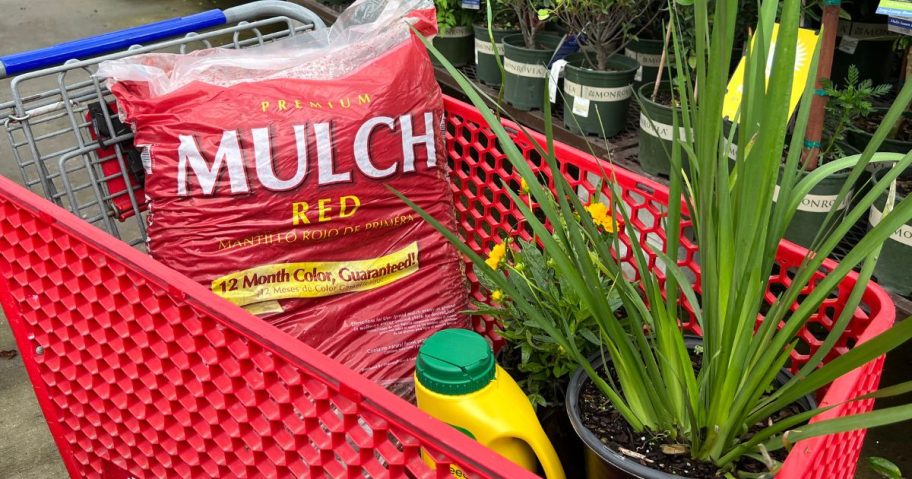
column 486, row 70
column 456, row 45
column 526, row 70
column 895, row 261
column 868, row 46
column 859, row 139
column 656, row 131
column 648, row 53
column 597, row 101
column 812, row 211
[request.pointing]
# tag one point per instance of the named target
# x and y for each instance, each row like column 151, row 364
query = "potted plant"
column 846, row 106
column 895, row 262
column 725, row 412
column 526, row 57
column 540, row 366
column 864, row 41
column 598, row 81
column 659, row 112
column 454, row 37
column 503, row 23
column 644, row 44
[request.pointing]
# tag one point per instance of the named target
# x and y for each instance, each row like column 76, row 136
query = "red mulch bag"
column 267, row 172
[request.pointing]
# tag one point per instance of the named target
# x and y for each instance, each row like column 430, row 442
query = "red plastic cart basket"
column 141, row 372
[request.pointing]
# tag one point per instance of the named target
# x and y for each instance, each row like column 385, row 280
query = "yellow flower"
column 523, row 186
column 497, row 296
column 601, row 215
column 497, row 255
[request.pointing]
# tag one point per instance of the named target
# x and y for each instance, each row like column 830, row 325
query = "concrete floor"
column 26, row 447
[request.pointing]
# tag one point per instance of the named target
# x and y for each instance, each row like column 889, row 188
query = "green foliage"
column 604, row 22
column 686, row 18
column 738, row 229
column 525, row 15
column 845, row 106
column 884, row 467
column 450, row 14
column 543, row 365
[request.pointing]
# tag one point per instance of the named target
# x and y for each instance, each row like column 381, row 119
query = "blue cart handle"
column 17, row 63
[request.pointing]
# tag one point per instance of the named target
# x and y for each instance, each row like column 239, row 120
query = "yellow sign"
column 804, row 52
column 316, row 278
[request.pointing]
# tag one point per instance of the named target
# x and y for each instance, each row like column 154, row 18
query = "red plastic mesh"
column 486, row 215
column 140, row 371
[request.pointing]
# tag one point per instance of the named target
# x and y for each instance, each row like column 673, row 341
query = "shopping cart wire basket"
column 141, row 372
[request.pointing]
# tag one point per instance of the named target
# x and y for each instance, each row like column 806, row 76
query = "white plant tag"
column 557, row 69
column 639, row 74
column 848, row 44
column 581, row 107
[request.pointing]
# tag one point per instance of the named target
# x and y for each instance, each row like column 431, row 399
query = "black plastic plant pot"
column 648, row 53
column 813, row 209
column 526, row 70
column 867, row 44
column 456, row 45
column 895, row 261
column 656, row 131
column 859, row 140
column 486, row 70
column 597, row 101
column 603, row 462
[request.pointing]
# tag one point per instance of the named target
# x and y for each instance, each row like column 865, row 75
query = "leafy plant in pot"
column 455, row 38
column 489, row 40
column 847, row 104
column 526, row 56
column 660, row 111
column 895, row 262
column 598, row 81
column 541, row 366
column 644, row 44
column 727, row 412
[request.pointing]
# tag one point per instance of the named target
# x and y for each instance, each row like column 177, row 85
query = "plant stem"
column 655, row 89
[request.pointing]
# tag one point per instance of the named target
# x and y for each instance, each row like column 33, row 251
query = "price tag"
column 581, row 107
column 553, row 76
column 848, row 44
column 470, row 4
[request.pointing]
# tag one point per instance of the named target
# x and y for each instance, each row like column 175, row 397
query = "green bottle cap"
column 455, row 362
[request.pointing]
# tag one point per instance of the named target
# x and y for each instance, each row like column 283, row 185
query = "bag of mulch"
column 267, row 171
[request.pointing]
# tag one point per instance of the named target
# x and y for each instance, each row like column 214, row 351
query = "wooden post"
column 830, row 22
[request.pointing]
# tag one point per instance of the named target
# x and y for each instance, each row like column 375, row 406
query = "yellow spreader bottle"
column 458, row 382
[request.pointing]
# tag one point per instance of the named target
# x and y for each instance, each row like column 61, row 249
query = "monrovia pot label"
column 902, row 235
column 660, row 130
column 865, row 31
column 818, row 203
column 527, row 70
column 644, row 59
column 483, row 47
column 456, row 32
column 603, row 94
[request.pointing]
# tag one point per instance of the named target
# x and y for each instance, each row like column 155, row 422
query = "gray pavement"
column 27, row 450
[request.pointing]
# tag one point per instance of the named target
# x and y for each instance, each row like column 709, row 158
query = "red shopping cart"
column 141, row 372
